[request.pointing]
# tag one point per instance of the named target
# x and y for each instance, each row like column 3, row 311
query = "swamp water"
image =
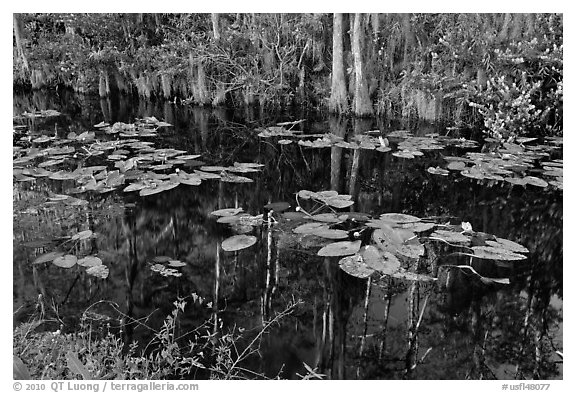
column 113, row 223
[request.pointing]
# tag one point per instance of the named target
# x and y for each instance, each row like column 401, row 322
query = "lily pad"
column 327, row 217
column 309, row 227
column 384, row 262
column 48, row 257
column 90, row 261
column 231, row 178
column 398, row 217
column 507, row 245
column 230, row 211
column 238, row 242
column 65, row 261
column 501, row 254
column 328, row 233
column 535, row 181
column 355, row 266
column 451, row 237
column 340, row 249
column 100, row 271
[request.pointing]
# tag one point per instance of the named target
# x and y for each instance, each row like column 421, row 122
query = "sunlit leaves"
column 340, row 249
column 99, row 271
column 330, row 198
column 65, row 261
column 230, row 211
column 355, row 266
column 89, row 261
column 238, row 242
column 48, row 257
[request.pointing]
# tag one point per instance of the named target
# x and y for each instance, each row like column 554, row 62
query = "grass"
column 95, row 352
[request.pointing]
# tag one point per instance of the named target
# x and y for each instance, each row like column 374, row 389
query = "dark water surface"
column 345, row 327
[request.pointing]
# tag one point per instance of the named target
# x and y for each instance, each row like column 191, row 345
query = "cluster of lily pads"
column 408, row 145
column 64, row 258
column 513, row 163
column 118, row 161
column 241, row 223
column 166, row 266
column 391, row 244
column 397, row 241
column 509, row 162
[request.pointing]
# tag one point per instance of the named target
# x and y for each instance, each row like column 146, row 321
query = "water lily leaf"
column 284, row 141
column 213, row 168
column 338, row 202
column 383, row 262
column 90, row 261
column 412, row 249
column 386, row 238
column 456, row 165
column 340, row 249
column 100, row 271
column 230, row 211
column 238, row 242
column 309, row 227
column 187, row 157
column 230, row 219
column 206, row 175
column 82, row 235
column 438, row 171
column 156, row 188
column 48, row 257
column 517, row 181
column 164, row 271
column 190, row 180
column 277, row 206
column 230, row 178
column 65, row 261
column 135, row 187
column 305, row 194
column 451, row 237
column 253, row 165
column 416, row 226
column 327, row 194
column 535, row 181
column 487, row 252
column 327, row 217
column 328, row 233
column 403, row 154
column 398, row 217
column 355, row 266
column 507, row 245
column 176, row 263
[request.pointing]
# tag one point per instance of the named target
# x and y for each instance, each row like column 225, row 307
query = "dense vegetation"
column 502, row 72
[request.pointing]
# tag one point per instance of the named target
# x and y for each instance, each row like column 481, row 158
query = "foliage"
column 509, row 66
column 95, row 352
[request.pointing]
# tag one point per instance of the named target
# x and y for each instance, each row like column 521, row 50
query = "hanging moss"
column 166, row 81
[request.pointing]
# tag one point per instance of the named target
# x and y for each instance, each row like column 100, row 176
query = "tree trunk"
column 216, row 26
column 338, row 95
column 18, row 38
column 362, row 106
